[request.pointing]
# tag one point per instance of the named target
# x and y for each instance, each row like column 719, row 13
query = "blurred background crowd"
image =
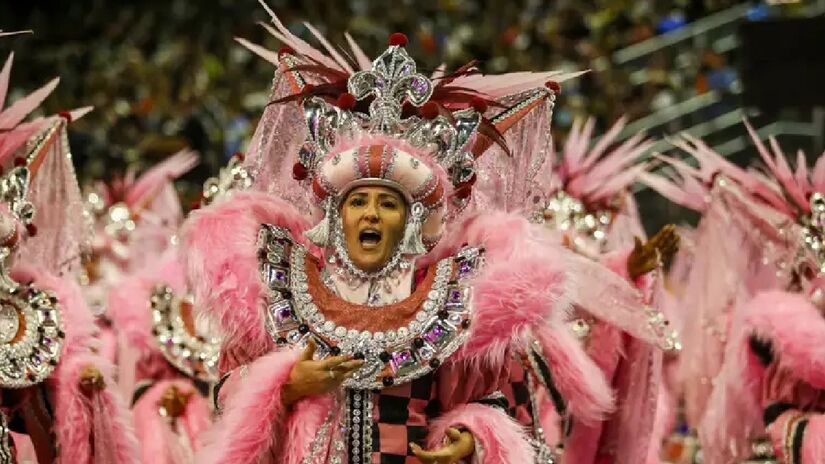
column 164, row 74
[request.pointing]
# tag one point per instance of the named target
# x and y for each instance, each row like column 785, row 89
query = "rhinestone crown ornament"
column 31, row 331
column 452, row 138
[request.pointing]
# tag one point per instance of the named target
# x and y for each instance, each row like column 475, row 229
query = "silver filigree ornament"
column 393, row 356
column 811, row 252
column 391, row 81
column 567, row 214
column 192, row 347
column 234, row 176
column 31, row 328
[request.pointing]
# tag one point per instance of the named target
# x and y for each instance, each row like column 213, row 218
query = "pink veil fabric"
column 62, row 223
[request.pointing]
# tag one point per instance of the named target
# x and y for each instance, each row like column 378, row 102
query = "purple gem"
column 37, row 359
column 419, row 85
column 284, row 312
column 464, row 268
column 47, row 341
column 277, row 276
column 436, row 334
column 454, row 296
column 401, row 359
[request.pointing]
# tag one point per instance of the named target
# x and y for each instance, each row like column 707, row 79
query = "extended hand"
column 311, row 378
column 659, row 250
column 91, row 379
column 173, row 401
column 460, row 446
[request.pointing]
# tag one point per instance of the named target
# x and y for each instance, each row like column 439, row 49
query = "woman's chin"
column 370, row 262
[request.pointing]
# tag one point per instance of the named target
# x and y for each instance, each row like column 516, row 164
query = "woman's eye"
column 357, row 202
column 389, row 205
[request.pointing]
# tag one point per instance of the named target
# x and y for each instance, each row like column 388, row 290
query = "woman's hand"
column 312, row 378
column 658, row 251
column 91, row 379
column 460, row 445
column 173, row 401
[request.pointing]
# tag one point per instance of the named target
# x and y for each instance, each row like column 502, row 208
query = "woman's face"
column 373, row 219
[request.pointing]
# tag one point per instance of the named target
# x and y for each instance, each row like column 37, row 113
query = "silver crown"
column 392, row 82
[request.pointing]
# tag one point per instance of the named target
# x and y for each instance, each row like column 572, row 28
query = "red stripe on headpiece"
column 435, row 196
column 374, row 158
column 319, row 189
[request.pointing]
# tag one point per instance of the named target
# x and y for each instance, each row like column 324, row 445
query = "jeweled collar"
column 32, row 335
column 196, row 355
column 432, row 325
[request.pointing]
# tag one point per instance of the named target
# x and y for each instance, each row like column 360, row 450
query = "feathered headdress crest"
column 363, row 120
column 583, row 184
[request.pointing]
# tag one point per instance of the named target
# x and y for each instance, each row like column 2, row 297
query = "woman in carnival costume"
column 57, row 404
column 399, row 324
column 590, row 209
column 172, row 348
column 765, row 402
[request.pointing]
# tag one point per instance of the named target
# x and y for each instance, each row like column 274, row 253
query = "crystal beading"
column 407, row 359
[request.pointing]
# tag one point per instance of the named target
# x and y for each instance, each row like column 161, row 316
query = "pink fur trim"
column 580, row 381
column 222, row 267
column 302, row 426
column 150, row 425
column 75, row 414
column 253, row 418
column 795, row 329
column 502, row 440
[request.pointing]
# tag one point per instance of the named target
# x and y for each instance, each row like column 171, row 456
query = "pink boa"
column 255, row 425
column 222, row 267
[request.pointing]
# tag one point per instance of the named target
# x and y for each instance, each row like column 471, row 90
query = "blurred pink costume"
column 148, row 308
column 768, row 383
column 735, row 260
column 443, row 326
column 589, row 207
column 47, row 331
column 162, row 347
column 135, row 219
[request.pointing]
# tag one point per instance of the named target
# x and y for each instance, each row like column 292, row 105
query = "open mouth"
column 369, row 238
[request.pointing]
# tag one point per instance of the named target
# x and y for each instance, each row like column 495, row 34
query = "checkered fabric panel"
column 400, row 416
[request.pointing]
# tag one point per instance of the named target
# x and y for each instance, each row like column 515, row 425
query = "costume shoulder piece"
column 398, row 345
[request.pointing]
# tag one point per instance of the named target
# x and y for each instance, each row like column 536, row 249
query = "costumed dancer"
column 764, row 402
column 392, row 326
column 56, row 397
column 173, row 347
column 590, row 209
column 135, row 220
column 771, row 384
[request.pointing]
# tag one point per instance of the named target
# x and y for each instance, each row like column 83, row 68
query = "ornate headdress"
column 39, row 185
column 583, row 186
column 385, row 124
